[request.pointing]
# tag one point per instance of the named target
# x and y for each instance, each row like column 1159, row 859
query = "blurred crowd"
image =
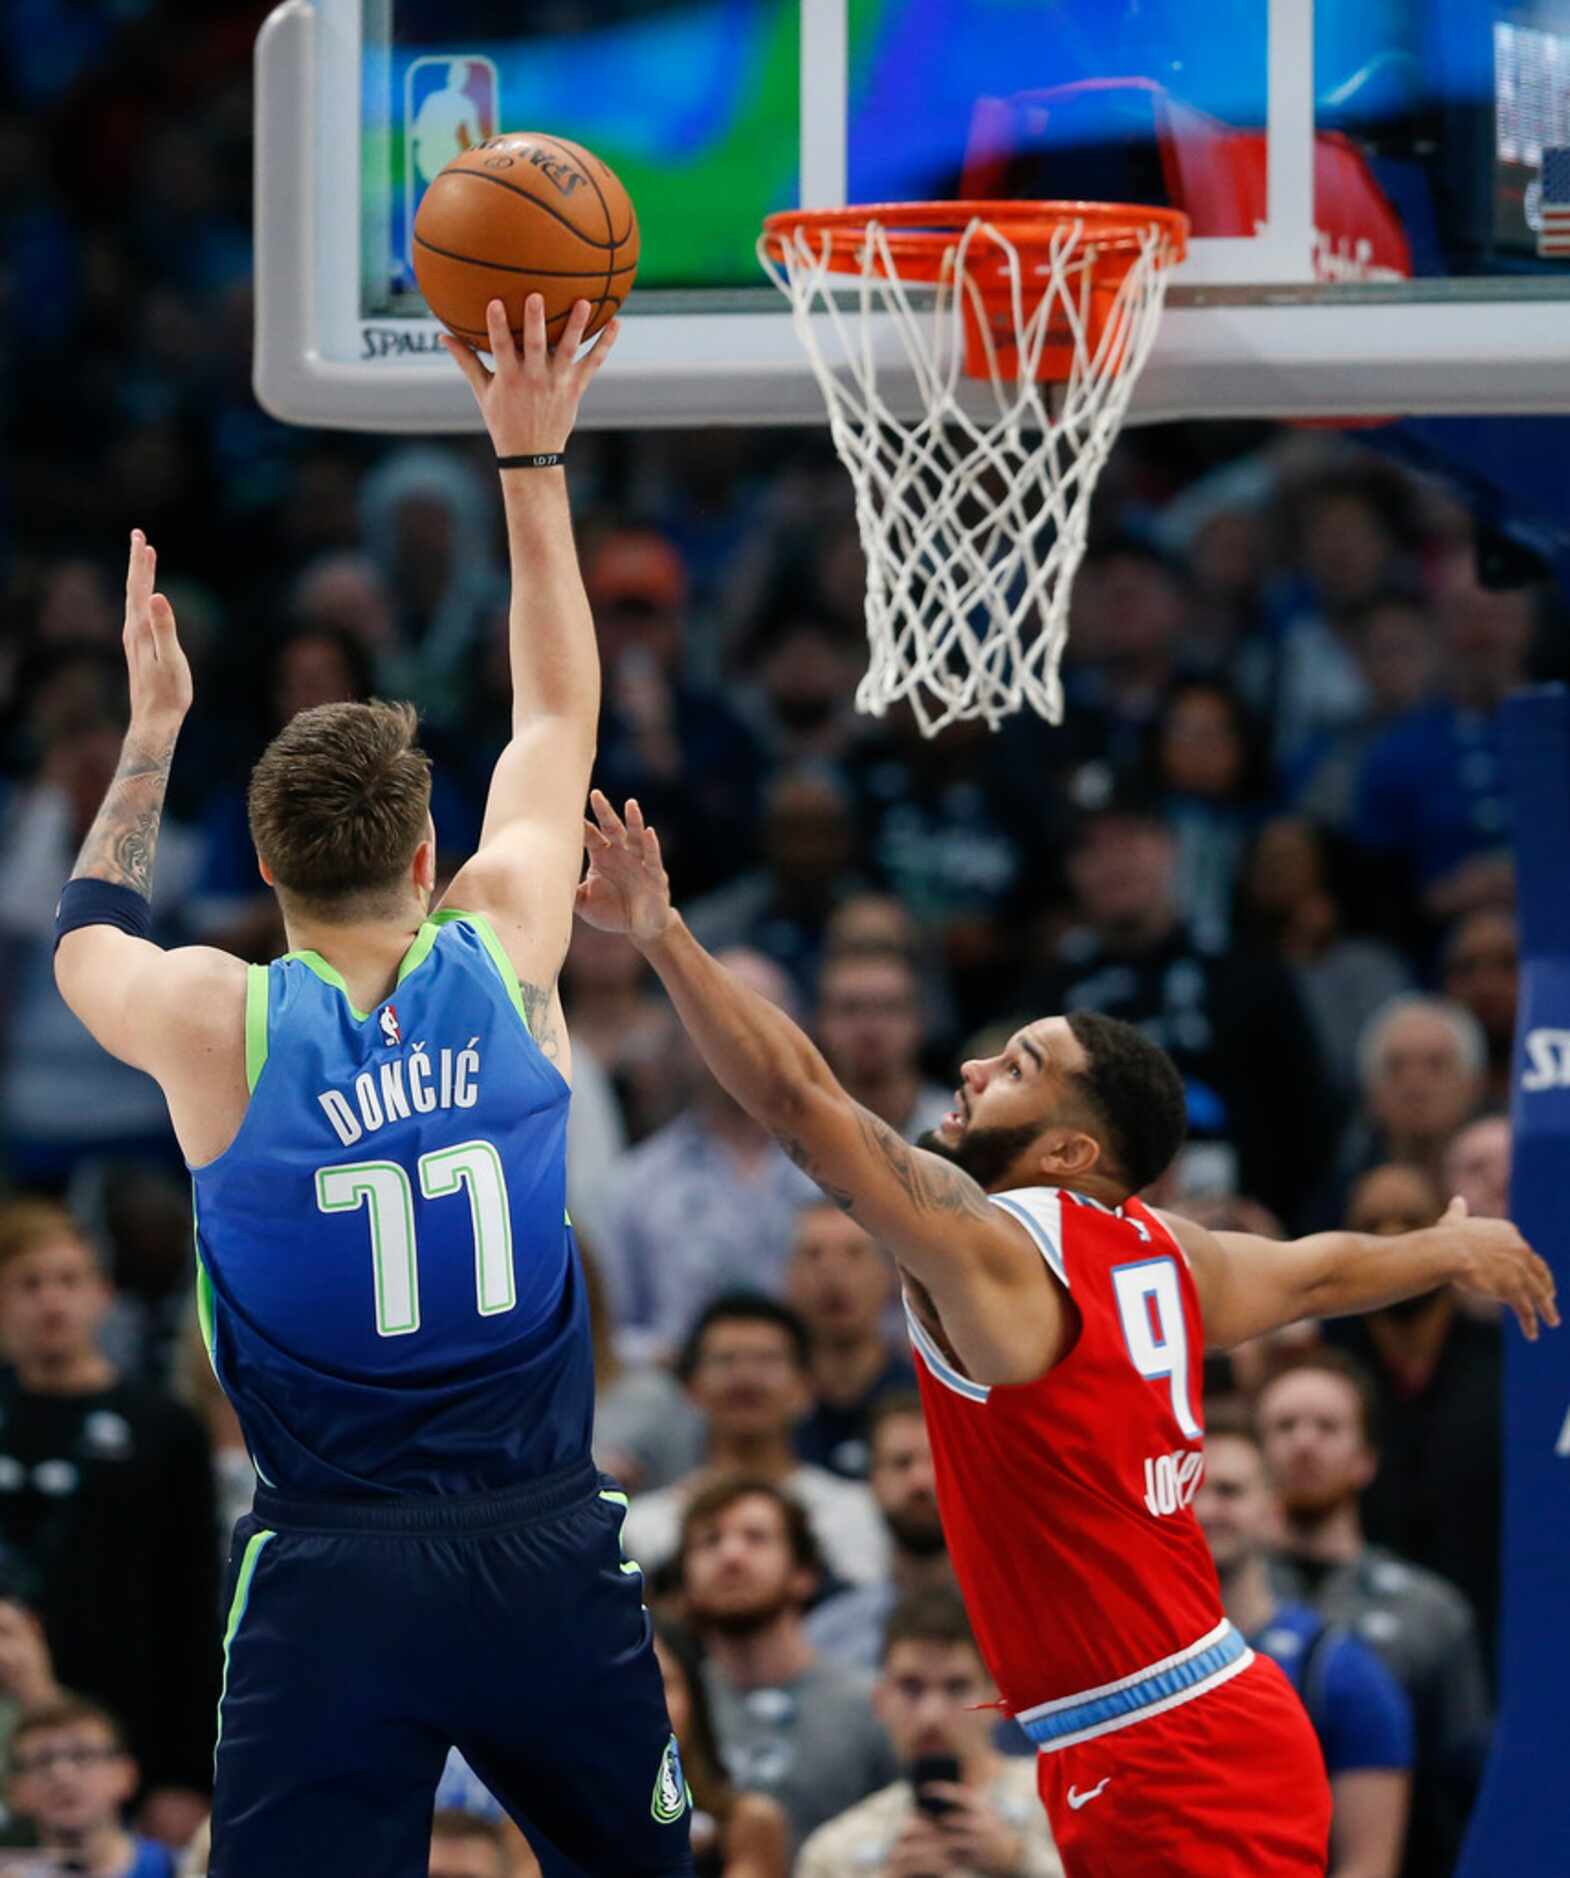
column 1272, row 831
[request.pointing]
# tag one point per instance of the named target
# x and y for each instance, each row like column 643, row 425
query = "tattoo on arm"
column 123, row 839
column 537, row 1001
column 930, row 1184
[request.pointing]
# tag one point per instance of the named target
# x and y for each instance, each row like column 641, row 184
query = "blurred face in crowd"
column 1391, row 1200
column 1139, row 610
column 808, row 674
column 312, row 670
column 1287, row 866
column 747, row 1380
column 1202, row 750
column 807, row 831
column 1311, row 1429
column 1234, row 1505
column 1006, row 1104
column 1346, row 547
column 347, row 593
column 1482, row 970
column 52, row 1301
column 837, row 1279
column 871, row 922
column 1122, row 869
column 738, row 1569
column 869, row 1018
column 1487, row 637
column 71, row 1781
column 1422, row 1087
column 458, row 1855
column 1477, row 1166
column 904, row 1484
column 1399, row 656
column 925, row 1698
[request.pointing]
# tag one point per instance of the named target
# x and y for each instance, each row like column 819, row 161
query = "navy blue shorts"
column 365, row 1638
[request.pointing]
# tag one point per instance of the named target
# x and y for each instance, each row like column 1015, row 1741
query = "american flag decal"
column 1553, row 209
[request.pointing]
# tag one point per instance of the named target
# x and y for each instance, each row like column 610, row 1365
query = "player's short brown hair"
column 338, row 802
column 935, row 1614
column 26, row 1225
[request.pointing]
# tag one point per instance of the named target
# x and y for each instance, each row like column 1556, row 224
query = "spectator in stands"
column 869, row 1027
column 618, row 1017
column 842, row 1285
column 1432, row 794
column 1130, row 603
column 674, row 744
column 1393, row 644
column 734, row 1834
column 465, row 1846
column 706, row 1204
column 781, row 907
column 47, row 1059
column 1316, row 1423
column 932, row 1696
column 1290, row 909
column 1422, row 1063
column 1207, row 759
column 84, row 1457
column 805, row 666
column 788, row 1724
column 1477, row 1166
column 1438, row 1376
column 27, row 1673
column 646, row 1430
column 1481, row 972
column 1359, row 1710
column 72, row 1777
column 747, row 1366
column 1233, row 1023
column 849, row 1627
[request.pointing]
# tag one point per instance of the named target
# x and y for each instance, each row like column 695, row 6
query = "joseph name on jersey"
column 1067, row 1501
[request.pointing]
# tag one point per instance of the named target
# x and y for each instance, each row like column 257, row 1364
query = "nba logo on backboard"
column 449, row 105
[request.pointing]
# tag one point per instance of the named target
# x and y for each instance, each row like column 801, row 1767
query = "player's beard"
column 986, row 1154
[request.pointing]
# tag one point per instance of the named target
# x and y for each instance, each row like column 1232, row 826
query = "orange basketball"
column 523, row 214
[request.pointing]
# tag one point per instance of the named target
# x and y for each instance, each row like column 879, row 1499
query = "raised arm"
column 1249, row 1285
column 1000, row 1309
column 530, row 851
column 163, row 1012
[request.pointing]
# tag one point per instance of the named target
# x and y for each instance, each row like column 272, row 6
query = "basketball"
column 521, row 214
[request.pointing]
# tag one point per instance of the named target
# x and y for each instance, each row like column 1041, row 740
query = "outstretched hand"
column 155, row 662
column 530, row 402
column 625, row 889
column 1500, row 1264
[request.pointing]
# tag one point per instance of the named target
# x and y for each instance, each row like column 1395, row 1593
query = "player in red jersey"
column 1061, row 1325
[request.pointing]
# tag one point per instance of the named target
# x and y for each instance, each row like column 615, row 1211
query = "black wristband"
column 91, row 902
column 543, row 459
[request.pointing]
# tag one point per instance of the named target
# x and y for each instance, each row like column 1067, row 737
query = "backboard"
column 1379, row 189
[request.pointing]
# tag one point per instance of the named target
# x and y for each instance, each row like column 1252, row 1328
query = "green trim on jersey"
column 418, row 952
column 237, row 1604
column 257, row 979
column 620, row 1499
column 505, row 969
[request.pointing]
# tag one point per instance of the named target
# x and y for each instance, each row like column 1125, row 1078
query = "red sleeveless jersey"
column 1068, row 1501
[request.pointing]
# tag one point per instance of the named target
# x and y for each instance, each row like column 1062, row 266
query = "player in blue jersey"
column 387, row 1280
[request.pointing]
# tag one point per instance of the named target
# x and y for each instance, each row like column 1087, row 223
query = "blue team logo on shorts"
column 449, row 105
column 670, row 1787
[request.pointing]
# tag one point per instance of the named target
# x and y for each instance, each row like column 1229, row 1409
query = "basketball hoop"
column 973, row 516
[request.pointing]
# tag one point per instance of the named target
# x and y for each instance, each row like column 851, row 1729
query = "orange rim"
column 921, row 234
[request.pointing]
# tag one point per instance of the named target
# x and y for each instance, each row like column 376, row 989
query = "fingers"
column 600, row 351
column 651, row 850
column 593, row 840
column 502, row 348
column 572, row 333
column 161, row 614
column 468, row 362
column 139, row 573
column 610, row 822
column 634, row 818
column 1457, row 1209
column 535, row 350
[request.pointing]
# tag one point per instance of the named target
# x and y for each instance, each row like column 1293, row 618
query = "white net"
column 973, row 525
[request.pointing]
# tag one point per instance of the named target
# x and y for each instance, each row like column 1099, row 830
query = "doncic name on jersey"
column 420, row 1083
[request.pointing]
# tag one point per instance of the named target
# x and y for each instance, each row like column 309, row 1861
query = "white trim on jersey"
column 940, row 1368
column 1174, row 1661
column 1040, row 1211
column 1198, row 1689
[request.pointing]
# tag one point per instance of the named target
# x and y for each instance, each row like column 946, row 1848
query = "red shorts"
column 1229, row 1785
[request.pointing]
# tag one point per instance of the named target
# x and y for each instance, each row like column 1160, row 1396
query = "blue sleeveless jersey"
column 387, row 1279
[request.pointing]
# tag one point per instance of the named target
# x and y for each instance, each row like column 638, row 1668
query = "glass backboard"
column 1379, row 189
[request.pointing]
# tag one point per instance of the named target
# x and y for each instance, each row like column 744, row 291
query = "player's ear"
column 1070, row 1153
column 424, row 863
column 265, row 871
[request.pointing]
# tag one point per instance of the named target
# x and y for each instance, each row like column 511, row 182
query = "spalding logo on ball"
column 523, row 214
